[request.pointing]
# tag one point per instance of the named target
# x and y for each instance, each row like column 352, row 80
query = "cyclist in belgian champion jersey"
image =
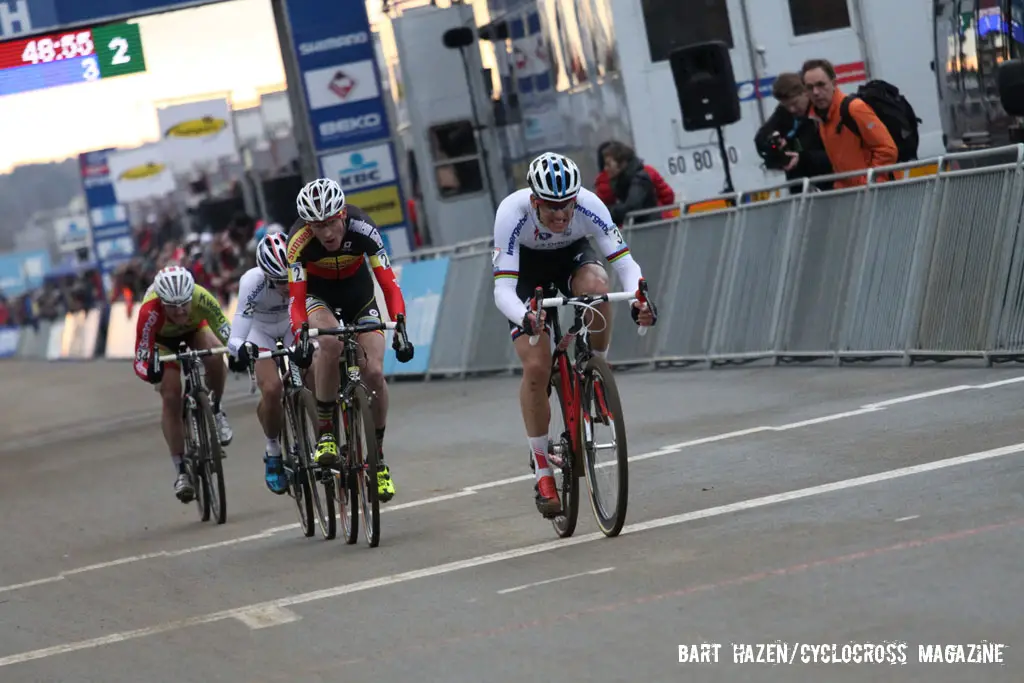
column 176, row 309
column 260, row 319
column 540, row 237
column 328, row 250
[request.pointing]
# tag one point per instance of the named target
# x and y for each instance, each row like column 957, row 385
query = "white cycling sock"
column 539, row 449
column 177, row 460
column 274, row 448
column 602, row 354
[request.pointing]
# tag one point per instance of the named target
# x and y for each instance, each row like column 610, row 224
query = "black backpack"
column 894, row 111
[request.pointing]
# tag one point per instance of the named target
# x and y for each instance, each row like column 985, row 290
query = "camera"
column 773, row 151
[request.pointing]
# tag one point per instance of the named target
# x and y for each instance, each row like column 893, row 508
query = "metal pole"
column 308, row 165
column 476, row 131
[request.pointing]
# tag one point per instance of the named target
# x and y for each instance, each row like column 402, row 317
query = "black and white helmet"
column 319, row 200
column 272, row 256
column 174, row 285
column 554, row 177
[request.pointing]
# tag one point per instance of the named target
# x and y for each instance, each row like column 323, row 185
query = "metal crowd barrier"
column 926, row 266
column 925, row 261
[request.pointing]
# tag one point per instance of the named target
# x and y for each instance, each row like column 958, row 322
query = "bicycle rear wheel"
column 296, row 458
column 564, row 464
column 212, row 455
column 608, row 499
column 316, row 475
column 363, row 448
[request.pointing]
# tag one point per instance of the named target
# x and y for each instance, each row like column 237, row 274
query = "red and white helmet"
column 272, row 256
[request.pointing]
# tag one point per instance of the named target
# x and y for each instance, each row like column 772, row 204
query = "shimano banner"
column 338, row 66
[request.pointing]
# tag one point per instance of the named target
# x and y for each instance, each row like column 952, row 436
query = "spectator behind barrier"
column 846, row 150
column 789, row 140
column 626, row 184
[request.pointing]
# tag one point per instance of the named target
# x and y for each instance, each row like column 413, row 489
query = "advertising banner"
column 140, row 173
column 72, row 233
column 340, row 78
column 197, row 134
column 21, row 271
column 111, row 232
column 422, row 284
column 9, row 337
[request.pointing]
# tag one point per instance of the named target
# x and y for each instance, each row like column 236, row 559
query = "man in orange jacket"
column 847, row 152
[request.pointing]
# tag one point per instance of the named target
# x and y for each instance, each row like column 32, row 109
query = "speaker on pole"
column 706, row 86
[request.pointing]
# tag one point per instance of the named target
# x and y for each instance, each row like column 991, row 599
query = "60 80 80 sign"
column 699, row 160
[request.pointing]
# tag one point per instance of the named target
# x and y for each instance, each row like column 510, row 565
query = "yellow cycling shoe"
column 385, row 484
column 326, row 451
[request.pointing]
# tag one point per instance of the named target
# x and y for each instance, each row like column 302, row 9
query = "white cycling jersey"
column 262, row 313
column 516, row 225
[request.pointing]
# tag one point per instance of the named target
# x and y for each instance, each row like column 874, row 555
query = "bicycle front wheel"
column 212, row 456
column 193, row 462
column 564, row 465
column 607, row 480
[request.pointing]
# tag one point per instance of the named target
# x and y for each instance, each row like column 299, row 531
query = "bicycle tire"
column 348, row 483
column 212, row 462
column 316, row 475
column 569, row 491
column 193, row 466
column 298, row 481
column 610, row 524
column 367, row 474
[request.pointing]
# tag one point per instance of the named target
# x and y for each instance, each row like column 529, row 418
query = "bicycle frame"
column 570, row 377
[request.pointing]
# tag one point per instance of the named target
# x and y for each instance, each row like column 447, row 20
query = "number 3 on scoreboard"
column 120, row 47
column 90, row 68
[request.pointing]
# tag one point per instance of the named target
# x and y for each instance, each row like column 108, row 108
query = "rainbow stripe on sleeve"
column 619, row 254
column 499, row 274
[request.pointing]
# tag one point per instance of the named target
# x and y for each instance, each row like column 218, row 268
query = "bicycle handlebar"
column 348, row 330
column 200, row 353
column 538, row 302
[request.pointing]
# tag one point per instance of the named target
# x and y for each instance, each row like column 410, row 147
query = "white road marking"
column 471, row 490
column 545, row 582
column 506, row 555
column 907, row 519
column 265, row 617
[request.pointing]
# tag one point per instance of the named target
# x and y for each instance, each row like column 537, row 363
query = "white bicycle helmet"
column 553, row 177
column 174, row 285
column 319, row 200
column 272, row 256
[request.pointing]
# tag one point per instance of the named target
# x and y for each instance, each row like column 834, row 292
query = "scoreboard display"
column 68, row 57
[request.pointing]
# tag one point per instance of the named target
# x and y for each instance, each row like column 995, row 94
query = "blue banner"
column 422, row 285
column 21, row 271
column 9, row 337
column 338, row 67
column 113, row 242
column 20, row 17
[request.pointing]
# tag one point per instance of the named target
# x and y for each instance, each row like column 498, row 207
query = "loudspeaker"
column 1010, row 79
column 705, row 84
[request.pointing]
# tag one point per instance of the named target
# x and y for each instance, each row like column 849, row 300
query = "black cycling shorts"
column 552, row 269
column 353, row 296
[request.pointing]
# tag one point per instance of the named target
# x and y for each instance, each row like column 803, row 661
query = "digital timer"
column 71, row 57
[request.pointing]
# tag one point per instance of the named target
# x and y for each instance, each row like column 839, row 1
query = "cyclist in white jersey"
column 540, row 237
column 260, row 320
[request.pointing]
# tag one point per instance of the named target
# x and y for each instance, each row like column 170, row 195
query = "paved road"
column 797, row 505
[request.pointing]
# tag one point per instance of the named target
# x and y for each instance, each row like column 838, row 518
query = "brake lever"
column 538, row 295
column 641, row 296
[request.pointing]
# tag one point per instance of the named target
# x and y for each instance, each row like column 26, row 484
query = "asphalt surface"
column 794, row 507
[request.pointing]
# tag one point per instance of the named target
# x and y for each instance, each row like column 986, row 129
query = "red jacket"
column 666, row 197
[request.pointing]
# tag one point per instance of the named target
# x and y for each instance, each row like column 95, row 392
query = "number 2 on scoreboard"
column 90, row 68
column 120, row 48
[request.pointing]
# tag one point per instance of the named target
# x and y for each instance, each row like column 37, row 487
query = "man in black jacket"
column 789, row 140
